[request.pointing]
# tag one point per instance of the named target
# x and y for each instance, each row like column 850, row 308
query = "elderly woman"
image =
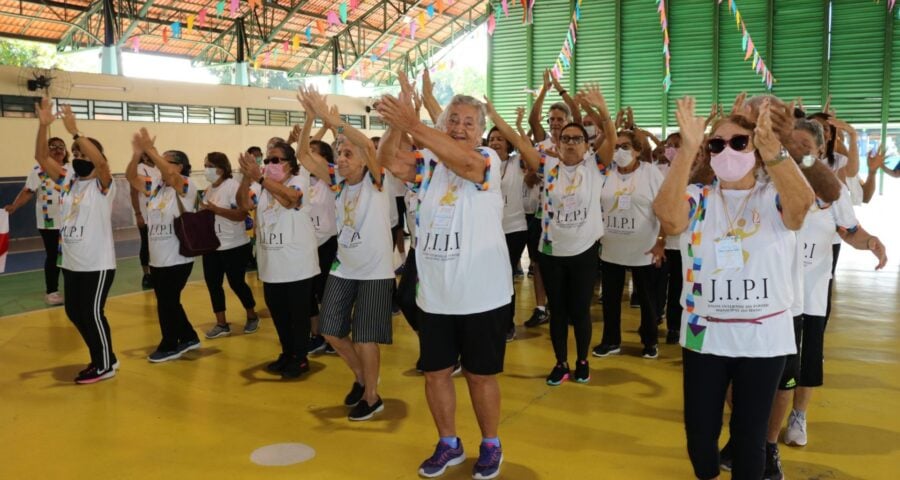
column 286, row 251
column 46, row 210
column 86, row 240
column 465, row 279
column 233, row 255
column 360, row 287
column 736, row 327
column 173, row 194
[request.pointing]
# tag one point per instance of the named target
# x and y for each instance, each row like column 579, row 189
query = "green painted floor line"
column 24, row 292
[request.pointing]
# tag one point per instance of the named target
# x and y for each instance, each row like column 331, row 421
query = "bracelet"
column 562, row 92
column 771, row 163
column 340, row 129
column 76, row 136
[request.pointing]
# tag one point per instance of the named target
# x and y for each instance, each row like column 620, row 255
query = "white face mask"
column 623, row 158
column 212, row 175
column 591, row 131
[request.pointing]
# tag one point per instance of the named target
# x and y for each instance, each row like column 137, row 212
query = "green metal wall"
column 861, row 70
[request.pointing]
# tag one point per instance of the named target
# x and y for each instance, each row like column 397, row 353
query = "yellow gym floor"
column 204, row 415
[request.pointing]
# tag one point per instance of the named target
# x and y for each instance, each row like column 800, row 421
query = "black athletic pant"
column 515, row 243
column 659, row 280
column 144, row 253
column 289, row 304
column 168, row 283
column 674, row 284
column 233, row 264
column 570, row 285
column 51, row 248
column 86, row 294
column 836, row 251
column 753, row 382
column 613, row 286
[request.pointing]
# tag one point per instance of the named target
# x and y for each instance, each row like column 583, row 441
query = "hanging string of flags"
column 664, row 23
column 564, row 59
column 759, row 65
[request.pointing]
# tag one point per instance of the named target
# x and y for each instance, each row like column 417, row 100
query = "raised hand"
column 249, row 168
column 556, row 84
column 594, row 95
column 68, row 118
column 520, row 114
column 44, row 111
column 144, row 141
column 876, row 158
column 427, row 85
column 547, row 76
column 690, row 126
column 629, row 118
column 764, row 138
column 737, row 108
column 398, row 113
column 491, row 111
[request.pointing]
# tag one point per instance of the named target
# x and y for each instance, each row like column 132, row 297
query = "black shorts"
column 812, row 345
column 327, row 254
column 477, row 340
column 534, row 236
column 791, row 374
column 401, row 211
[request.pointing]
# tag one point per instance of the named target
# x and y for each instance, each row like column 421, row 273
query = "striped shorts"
column 360, row 306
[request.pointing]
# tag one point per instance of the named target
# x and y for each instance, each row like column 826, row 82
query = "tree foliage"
column 19, row 53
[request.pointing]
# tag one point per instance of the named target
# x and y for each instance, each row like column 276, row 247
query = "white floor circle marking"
column 282, row 454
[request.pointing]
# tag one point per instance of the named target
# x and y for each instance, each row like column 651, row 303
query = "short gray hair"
column 463, row 100
column 811, row 127
column 562, row 107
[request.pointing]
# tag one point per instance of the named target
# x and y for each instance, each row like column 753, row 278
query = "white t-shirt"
column 631, row 226
column 151, row 176
column 797, row 268
column 759, row 290
column 231, row 234
column 461, row 250
column 286, row 248
column 815, row 239
column 163, row 210
column 364, row 241
column 531, row 198
column 46, row 201
column 390, row 183
column 411, row 200
column 572, row 220
column 319, row 203
column 86, row 238
column 512, row 184
column 840, row 161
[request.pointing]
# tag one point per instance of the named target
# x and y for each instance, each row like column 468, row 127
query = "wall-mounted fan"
column 44, row 81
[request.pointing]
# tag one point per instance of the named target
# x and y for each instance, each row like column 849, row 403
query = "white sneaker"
column 796, row 430
column 53, row 299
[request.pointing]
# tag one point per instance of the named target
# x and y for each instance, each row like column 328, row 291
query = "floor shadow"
column 523, row 334
column 860, row 439
column 334, row 417
column 852, row 381
column 258, row 374
column 62, row 373
column 814, row 471
column 513, row 471
column 609, row 377
column 199, row 353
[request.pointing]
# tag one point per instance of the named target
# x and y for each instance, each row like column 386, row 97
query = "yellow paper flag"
column 256, row 63
column 296, row 44
column 190, row 22
column 421, row 19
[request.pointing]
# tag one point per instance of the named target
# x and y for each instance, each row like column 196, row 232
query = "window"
column 256, row 116
column 18, row 106
column 171, row 113
column 141, row 112
column 226, row 115
column 105, row 110
column 199, row 114
column 358, row 121
column 376, row 123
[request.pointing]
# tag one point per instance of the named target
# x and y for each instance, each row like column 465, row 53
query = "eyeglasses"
column 623, row 146
column 737, row 143
column 273, row 160
column 571, row 140
column 58, row 147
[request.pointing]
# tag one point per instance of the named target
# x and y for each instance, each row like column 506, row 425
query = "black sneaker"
column 146, row 282
column 518, row 273
column 188, row 345
column 604, row 350
column 94, row 375
column 316, row 344
column 672, row 337
column 633, row 302
column 511, row 334
column 650, row 352
column 773, row 463
column 356, row 394
column 582, row 372
column 558, row 375
column 364, row 411
column 278, row 365
column 419, row 366
column 329, row 349
column 538, row 317
column 295, row 367
column 725, row 459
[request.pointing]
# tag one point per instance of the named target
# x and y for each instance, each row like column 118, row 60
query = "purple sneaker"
column 444, row 456
column 488, row 464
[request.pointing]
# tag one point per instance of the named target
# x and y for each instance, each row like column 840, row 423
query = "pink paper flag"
column 412, row 30
column 268, row 58
column 333, row 19
column 284, row 47
column 491, row 25
column 354, row 4
column 136, row 44
column 749, row 49
column 233, row 8
column 505, row 6
column 201, row 18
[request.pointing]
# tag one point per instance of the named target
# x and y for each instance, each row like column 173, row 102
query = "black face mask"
column 83, row 168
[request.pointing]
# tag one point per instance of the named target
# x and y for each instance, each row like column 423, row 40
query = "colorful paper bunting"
column 505, row 5
column 220, row 8
column 333, row 18
column 308, row 33
column 563, row 60
column 233, row 8
column 491, row 24
column 749, row 47
column 201, row 18
column 343, row 12
column 176, row 29
column 430, row 11
column 421, row 19
column 440, row 6
column 321, row 27
column 190, row 23
column 296, row 42
column 667, row 53
column 165, row 35
column 136, row 44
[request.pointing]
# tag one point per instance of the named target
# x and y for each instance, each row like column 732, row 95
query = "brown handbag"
column 196, row 231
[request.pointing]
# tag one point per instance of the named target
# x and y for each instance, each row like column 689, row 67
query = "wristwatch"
column 808, row 161
column 76, row 136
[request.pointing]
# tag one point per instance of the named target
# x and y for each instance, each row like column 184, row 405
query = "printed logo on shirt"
column 739, row 296
column 72, row 233
column 441, row 246
column 620, row 224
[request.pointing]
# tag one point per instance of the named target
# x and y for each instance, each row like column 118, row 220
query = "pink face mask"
column 670, row 153
column 275, row 172
column 731, row 165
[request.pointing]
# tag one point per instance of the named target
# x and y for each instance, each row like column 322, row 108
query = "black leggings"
column 570, row 285
column 233, row 264
column 675, row 284
column 836, row 251
column 289, row 304
column 327, row 254
column 613, row 286
column 515, row 243
column 86, row 294
column 144, row 253
column 51, row 249
column 168, row 283
column 753, row 384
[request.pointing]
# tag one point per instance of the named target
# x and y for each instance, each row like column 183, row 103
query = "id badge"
column 270, row 217
column 444, row 217
column 345, row 239
column 729, row 254
column 570, row 203
column 625, row 202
